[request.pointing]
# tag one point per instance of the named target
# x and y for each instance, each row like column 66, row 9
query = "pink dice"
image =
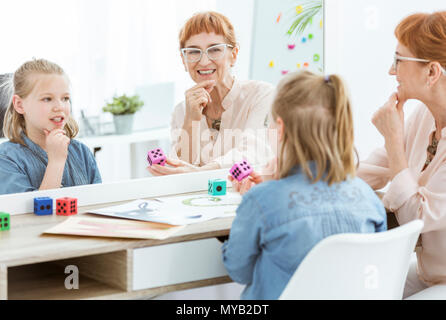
column 241, row 170
column 156, row 156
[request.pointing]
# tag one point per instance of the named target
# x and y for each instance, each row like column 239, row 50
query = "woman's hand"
column 269, row 172
column 56, row 143
column 176, row 167
column 389, row 120
column 197, row 99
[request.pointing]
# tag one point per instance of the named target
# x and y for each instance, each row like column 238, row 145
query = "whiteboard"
column 275, row 53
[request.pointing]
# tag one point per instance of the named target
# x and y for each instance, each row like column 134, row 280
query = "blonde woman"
column 41, row 153
column 316, row 194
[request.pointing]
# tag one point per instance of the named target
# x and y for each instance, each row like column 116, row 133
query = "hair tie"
column 327, row 78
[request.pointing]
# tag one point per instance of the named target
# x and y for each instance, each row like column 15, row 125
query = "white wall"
column 241, row 14
column 359, row 45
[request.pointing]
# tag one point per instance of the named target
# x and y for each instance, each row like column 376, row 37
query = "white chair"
column 436, row 292
column 356, row 266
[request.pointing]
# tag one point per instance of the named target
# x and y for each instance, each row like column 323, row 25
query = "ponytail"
column 318, row 126
column 343, row 122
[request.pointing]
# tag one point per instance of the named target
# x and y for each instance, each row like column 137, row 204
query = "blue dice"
column 217, row 187
column 43, row 206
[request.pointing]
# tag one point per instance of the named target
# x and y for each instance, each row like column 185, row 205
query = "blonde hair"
column 318, row 126
column 22, row 85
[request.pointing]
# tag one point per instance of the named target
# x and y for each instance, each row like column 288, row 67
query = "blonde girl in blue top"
column 313, row 194
column 41, row 153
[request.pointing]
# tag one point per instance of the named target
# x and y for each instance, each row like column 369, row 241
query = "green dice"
column 217, row 187
column 5, row 221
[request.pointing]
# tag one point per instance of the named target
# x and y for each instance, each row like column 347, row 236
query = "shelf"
column 100, row 276
column 135, row 137
column 46, row 281
column 140, row 136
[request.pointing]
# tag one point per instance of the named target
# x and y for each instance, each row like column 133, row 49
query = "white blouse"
column 416, row 194
column 243, row 129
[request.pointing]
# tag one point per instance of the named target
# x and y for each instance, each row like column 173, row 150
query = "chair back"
column 356, row 266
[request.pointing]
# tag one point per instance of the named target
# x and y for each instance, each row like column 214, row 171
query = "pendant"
column 432, row 149
column 216, row 124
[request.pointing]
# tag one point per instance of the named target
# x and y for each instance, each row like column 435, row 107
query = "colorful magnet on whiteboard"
column 316, row 58
column 291, row 46
column 306, row 64
column 279, row 17
column 310, row 36
column 299, row 9
column 304, row 40
column 299, row 65
column 271, row 64
column 284, row 72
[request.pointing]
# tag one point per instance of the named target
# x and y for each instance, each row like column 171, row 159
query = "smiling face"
column 207, row 69
column 47, row 107
column 411, row 75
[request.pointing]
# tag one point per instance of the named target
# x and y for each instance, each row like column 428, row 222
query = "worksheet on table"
column 177, row 210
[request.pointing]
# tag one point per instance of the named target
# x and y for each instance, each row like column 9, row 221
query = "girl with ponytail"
column 314, row 193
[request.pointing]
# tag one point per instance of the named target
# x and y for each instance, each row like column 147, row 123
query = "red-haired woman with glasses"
column 414, row 157
column 219, row 121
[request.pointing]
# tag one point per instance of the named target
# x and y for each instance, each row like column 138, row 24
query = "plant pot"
column 123, row 123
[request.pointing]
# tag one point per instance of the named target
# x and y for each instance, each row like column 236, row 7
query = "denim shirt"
column 279, row 222
column 22, row 168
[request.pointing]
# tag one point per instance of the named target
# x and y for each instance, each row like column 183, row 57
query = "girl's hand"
column 176, row 167
column 246, row 184
column 269, row 172
column 56, row 143
column 389, row 119
column 197, row 99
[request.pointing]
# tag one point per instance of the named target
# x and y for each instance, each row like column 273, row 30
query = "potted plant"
column 123, row 109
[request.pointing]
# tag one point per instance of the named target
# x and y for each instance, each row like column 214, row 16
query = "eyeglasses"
column 214, row 53
column 397, row 58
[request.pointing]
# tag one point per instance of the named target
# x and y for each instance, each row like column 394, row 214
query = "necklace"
column 216, row 123
column 432, row 150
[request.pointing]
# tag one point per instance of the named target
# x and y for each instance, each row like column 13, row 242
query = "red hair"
column 425, row 35
column 208, row 22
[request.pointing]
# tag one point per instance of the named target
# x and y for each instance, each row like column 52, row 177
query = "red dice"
column 66, row 206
